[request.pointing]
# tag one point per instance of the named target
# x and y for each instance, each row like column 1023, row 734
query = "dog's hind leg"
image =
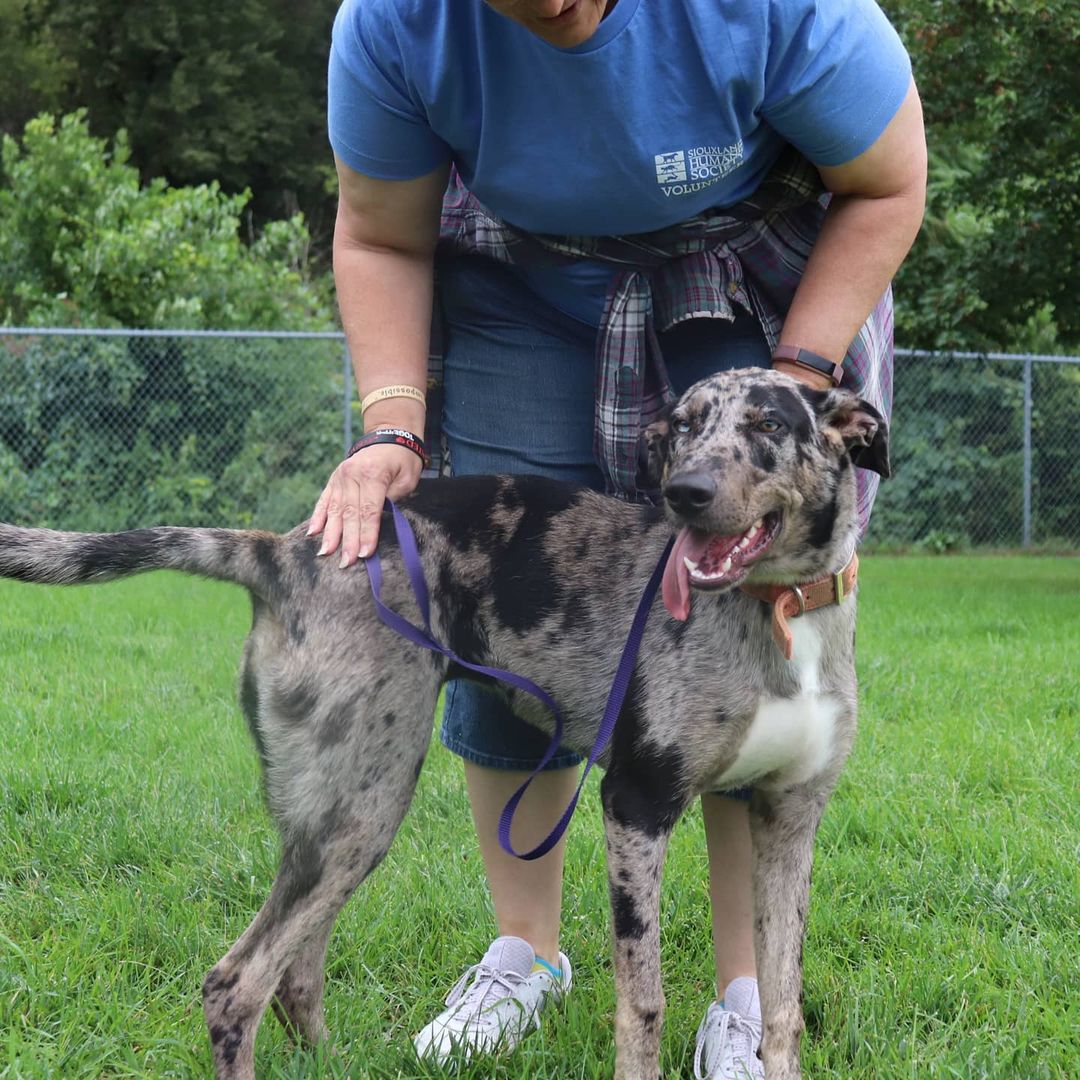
column 782, row 827
column 284, row 944
column 298, row 1002
column 333, row 839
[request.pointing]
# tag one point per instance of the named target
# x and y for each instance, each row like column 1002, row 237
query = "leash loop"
column 424, row 637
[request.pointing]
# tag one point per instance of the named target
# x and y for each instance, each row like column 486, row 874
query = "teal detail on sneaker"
column 555, row 972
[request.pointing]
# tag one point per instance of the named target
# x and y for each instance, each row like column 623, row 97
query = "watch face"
column 815, row 361
column 811, row 361
column 819, row 363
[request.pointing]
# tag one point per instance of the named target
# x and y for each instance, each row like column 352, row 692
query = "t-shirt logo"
column 682, row 172
column 670, row 167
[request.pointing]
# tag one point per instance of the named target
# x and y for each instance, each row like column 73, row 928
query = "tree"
column 33, row 73
column 207, row 91
column 1000, row 251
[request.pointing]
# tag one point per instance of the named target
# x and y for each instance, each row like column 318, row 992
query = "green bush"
column 83, row 244
column 103, row 433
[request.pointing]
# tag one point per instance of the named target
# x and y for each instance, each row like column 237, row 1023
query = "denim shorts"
column 518, row 397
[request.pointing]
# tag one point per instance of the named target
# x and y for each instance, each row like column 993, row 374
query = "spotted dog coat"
column 543, row 578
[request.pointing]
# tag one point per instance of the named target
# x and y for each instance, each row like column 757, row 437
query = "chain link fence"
column 109, row 430
column 104, row 430
column 983, row 452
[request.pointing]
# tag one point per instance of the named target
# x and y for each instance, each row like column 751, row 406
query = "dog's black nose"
column 690, row 492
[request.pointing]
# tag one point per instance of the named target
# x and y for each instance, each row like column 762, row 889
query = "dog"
column 757, row 481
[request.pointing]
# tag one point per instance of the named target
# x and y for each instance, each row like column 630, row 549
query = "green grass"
column 944, row 936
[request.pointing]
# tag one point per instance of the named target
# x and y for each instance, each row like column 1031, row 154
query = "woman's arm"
column 871, row 223
column 384, row 245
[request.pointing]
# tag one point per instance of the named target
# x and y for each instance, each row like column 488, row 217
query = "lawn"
column 944, row 933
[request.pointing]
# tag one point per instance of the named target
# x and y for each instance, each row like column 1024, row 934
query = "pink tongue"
column 689, row 544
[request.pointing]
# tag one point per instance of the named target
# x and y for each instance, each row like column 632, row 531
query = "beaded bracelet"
column 393, row 437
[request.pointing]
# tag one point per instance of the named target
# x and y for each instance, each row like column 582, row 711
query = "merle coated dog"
column 757, row 481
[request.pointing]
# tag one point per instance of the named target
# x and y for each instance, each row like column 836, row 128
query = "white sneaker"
column 727, row 1046
column 495, row 1004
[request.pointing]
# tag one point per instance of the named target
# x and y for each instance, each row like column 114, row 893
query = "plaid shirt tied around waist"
column 752, row 255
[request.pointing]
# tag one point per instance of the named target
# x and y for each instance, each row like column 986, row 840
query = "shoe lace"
column 487, row 983
column 731, row 1029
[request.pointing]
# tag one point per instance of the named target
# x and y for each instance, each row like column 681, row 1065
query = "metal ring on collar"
column 802, row 602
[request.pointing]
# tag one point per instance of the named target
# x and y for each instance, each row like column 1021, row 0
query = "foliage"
column 1001, row 246
column 83, row 242
column 33, row 70
column 227, row 92
column 111, row 432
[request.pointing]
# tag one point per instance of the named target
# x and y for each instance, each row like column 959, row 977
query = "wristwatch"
column 804, row 358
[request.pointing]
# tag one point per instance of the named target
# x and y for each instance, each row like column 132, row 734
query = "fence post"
column 346, row 404
column 1025, row 540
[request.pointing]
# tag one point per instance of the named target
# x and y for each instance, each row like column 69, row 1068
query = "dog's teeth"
column 759, row 523
column 750, row 535
column 727, row 565
column 744, row 543
column 690, row 564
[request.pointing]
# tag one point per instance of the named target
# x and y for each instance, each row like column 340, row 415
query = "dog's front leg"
column 782, row 826
column 637, row 831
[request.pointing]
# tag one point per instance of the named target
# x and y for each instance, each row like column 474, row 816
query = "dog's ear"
column 653, row 446
column 862, row 429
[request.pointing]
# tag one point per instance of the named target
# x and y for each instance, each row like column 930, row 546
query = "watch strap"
column 804, row 358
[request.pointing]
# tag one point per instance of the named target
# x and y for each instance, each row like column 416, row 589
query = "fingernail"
column 344, row 561
column 322, row 550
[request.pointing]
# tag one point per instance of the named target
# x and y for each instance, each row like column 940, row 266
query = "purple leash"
column 424, row 637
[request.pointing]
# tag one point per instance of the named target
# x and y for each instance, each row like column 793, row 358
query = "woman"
column 574, row 127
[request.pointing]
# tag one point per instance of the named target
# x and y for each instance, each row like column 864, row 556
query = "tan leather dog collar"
column 791, row 601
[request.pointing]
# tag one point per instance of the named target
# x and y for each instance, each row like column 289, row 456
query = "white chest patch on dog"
column 792, row 736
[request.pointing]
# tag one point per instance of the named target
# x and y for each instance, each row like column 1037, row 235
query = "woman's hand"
column 350, row 508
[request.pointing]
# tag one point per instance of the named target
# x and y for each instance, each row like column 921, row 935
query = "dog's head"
column 756, row 473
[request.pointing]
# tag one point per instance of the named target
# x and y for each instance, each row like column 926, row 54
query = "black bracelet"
column 393, row 437
column 804, row 358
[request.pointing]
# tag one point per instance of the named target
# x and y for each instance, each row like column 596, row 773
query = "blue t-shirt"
column 670, row 108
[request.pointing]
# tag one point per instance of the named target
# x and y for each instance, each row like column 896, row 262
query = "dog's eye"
column 768, row 425
column 681, row 426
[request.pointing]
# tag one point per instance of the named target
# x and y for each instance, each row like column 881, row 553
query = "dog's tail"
column 247, row 558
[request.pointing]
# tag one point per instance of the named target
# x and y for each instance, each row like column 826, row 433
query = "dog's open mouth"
column 708, row 561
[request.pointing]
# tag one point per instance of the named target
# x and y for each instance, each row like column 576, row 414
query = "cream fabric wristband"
column 386, row 392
